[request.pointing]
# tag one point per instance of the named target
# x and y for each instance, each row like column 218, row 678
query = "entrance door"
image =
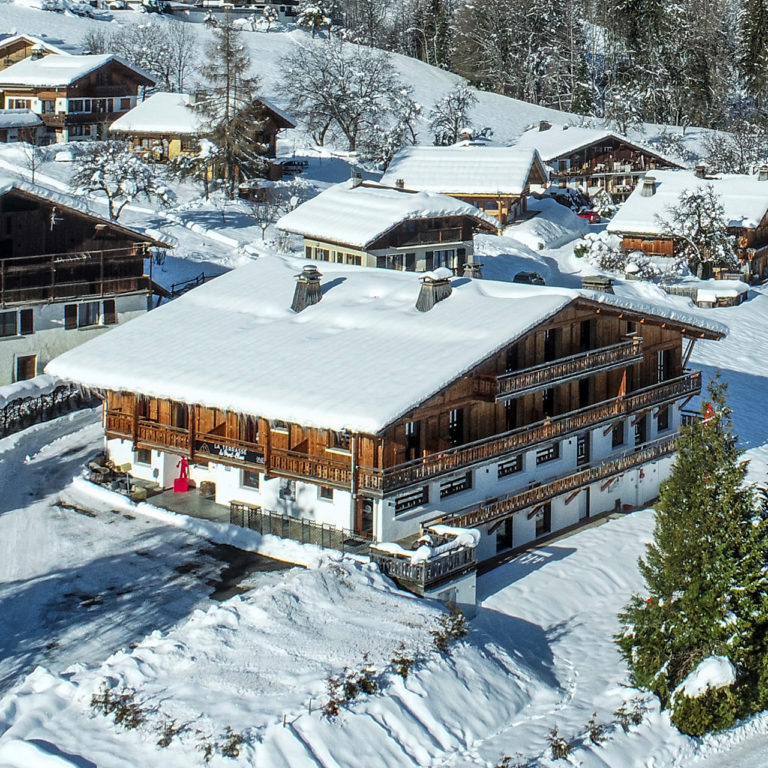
column 364, row 521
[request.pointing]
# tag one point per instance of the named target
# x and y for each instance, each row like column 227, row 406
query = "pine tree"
column 704, row 577
column 754, row 54
column 229, row 105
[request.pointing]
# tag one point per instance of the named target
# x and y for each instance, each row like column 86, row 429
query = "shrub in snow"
column 122, row 705
column 705, row 576
column 623, row 716
column 714, row 710
column 595, row 731
column 207, row 748
column 451, row 627
column 559, row 748
column 602, row 202
column 602, row 249
column 231, row 742
column 366, row 678
column 402, row 661
column 168, row 731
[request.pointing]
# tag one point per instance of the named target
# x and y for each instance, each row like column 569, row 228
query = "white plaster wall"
column 462, row 592
column 50, row 338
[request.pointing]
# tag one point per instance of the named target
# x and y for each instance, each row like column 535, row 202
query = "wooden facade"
column 20, row 47
column 85, row 108
column 587, row 366
column 50, row 251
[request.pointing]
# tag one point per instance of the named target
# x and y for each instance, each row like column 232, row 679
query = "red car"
column 590, row 216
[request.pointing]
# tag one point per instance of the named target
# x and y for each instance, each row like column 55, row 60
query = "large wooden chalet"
column 370, row 225
column 496, row 180
column 591, row 159
column 381, row 402
column 644, row 221
column 166, row 125
column 77, row 97
column 66, row 275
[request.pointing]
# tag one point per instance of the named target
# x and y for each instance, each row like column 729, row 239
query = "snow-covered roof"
column 359, row 359
column 12, row 183
column 161, row 113
column 357, row 216
column 562, row 140
column 37, row 42
column 170, row 113
column 464, row 170
column 57, row 70
column 19, row 118
column 744, row 198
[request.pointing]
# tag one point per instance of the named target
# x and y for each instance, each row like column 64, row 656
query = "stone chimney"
column 474, row 270
column 37, row 51
column 400, row 183
column 648, row 188
column 762, row 173
column 356, row 180
column 435, row 286
column 544, row 125
column 308, row 291
column 700, row 171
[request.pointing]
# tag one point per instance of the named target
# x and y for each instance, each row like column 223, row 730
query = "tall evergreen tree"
column 754, row 54
column 228, row 103
column 705, row 580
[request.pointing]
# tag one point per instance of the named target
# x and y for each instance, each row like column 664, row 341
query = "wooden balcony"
column 462, row 457
column 338, row 472
column 530, row 497
column 419, row 577
column 428, row 237
column 83, row 274
column 517, row 383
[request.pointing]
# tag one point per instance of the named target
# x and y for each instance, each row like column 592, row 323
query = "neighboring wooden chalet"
column 77, row 97
column 496, row 180
column 165, row 125
column 20, row 125
column 65, row 275
column 370, row 225
column 639, row 222
column 376, row 402
column 592, row 159
column 15, row 48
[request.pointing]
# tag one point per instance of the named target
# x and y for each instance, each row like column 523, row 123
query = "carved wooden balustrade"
column 517, row 383
column 422, row 576
column 530, row 497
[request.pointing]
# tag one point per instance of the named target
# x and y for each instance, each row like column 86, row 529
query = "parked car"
column 591, row 216
column 530, row 278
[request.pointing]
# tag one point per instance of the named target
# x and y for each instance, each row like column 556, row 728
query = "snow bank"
column 39, row 385
column 554, row 225
column 713, row 672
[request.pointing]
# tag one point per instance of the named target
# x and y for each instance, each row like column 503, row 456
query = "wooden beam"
column 573, row 496
column 608, row 483
column 535, row 509
column 688, row 352
column 685, row 402
column 610, row 427
column 639, row 416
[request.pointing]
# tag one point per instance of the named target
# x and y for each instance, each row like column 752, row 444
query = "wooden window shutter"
column 26, row 322
column 110, row 315
column 70, row 316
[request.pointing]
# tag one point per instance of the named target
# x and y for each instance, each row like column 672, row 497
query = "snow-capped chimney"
column 649, row 187
column 400, row 183
column 356, row 180
column 544, row 125
column 37, row 51
column 308, row 290
column 435, row 286
column 700, row 171
column 474, row 270
column 762, row 173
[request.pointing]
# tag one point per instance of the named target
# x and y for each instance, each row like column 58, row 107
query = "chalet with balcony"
column 591, row 159
column 77, row 97
column 166, row 125
column 370, row 225
column 643, row 222
column 382, row 402
column 66, row 275
column 497, row 180
column 15, row 48
column 20, row 125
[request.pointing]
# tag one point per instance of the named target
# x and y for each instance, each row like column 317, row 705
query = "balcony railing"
column 376, row 481
column 537, row 377
column 69, row 275
column 428, row 467
column 422, row 576
column 522, row 499
column 451, row 235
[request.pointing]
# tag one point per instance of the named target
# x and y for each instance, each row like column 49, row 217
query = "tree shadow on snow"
column 51, row 749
